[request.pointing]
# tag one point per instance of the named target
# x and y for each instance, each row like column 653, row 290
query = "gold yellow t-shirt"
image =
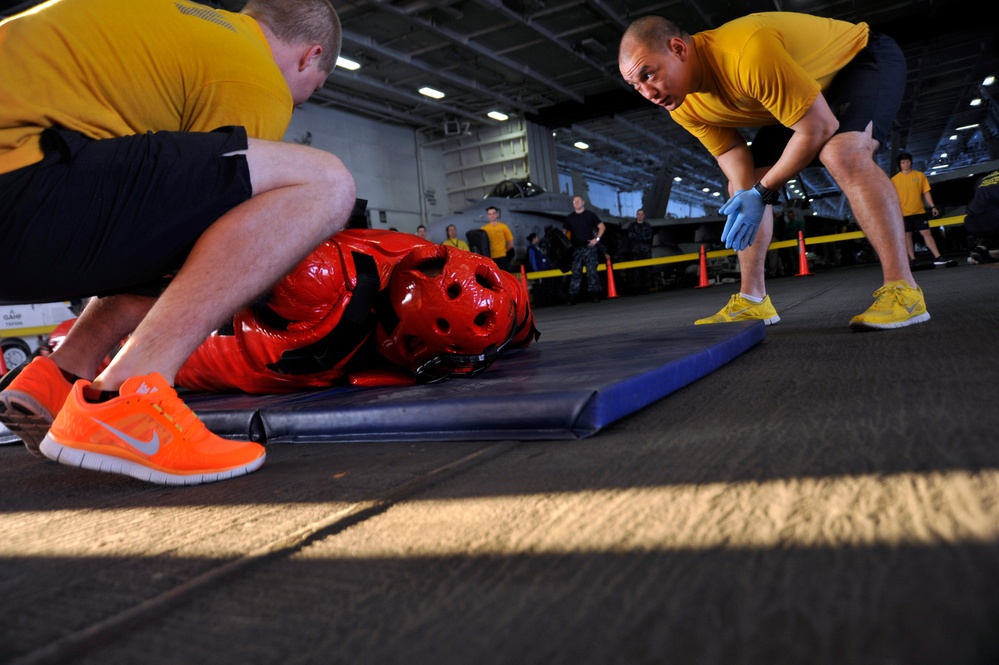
column 764, row 69
column 499, row 234
column 109, row 68
column 456, row 242
column 910, row 187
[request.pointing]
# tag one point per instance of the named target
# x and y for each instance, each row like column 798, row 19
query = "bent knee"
column 848, row 153
column 275, row 164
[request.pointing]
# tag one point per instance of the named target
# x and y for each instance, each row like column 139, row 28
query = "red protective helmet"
column 454, row 312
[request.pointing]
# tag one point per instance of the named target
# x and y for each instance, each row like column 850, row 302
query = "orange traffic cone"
column 703, row 272
column 802, row 257
column 611, row 288
column 523, row 274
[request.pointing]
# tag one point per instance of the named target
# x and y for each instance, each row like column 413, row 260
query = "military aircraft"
column 525, row 207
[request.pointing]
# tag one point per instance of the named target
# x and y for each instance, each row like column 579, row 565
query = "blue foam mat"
column 545, row 391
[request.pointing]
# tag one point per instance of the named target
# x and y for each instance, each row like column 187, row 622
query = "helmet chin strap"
column 447, row 365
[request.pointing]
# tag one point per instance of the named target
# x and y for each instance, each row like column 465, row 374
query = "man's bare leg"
column 752, row 260
column 101, row 326
column 930, row 242
column 849, row 157
column 302, row 197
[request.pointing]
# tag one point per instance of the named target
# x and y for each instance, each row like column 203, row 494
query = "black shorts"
column 120, row 215
column 869, row 89
column 916, row 223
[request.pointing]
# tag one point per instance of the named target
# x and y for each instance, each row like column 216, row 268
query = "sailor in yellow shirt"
column 817, row 89
column 500, row 238
column 914, row 194
column 141, row 161
column 453, row 240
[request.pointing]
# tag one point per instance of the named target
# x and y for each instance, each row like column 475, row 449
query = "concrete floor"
column 828, row 497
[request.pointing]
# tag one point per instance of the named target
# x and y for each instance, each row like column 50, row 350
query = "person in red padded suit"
column 368, row 307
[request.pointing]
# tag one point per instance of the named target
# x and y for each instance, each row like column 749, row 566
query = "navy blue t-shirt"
column 582, row 227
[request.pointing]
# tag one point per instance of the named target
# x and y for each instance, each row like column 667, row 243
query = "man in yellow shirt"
column 453, row 239
column 500, row 238
column 817, row 88
column 141, row 161
column 913, row 191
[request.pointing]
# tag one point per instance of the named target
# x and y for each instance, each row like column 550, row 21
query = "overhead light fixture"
column 953, row 137
column 581, row 145
column 705, row 189
column 966, row 127
column 677, row 178
column 346, row 63
column 496, row 115
column 942, row 155
column 430, row 92
column 715, row 193
column 989, row 80
column 977, row 101
column 941, row 166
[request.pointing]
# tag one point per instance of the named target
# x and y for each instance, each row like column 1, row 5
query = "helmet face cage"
column 455, row 311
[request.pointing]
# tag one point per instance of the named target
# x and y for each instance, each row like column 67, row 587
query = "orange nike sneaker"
column 148, row 433
column 30, row 402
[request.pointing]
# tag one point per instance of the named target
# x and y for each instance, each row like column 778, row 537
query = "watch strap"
column 769, row 196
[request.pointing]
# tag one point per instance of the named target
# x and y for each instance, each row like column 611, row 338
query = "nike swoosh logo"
column 912, row 308
column 741, row 311
column 150, row 447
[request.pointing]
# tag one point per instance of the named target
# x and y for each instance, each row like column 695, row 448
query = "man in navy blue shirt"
column 585, row 230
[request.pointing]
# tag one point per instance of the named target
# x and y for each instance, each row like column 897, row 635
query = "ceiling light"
column 989, row 80
column 496, row 115
column 966, row 127
column 345, row 63
column 705, row 189
column 941, row 166
column 953, row 137
column 677, row 178
column 581, row 145
column 715, row 193
column 977, row 101
column 430, row 92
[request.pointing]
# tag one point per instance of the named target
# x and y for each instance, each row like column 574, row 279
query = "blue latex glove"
column 745, row 212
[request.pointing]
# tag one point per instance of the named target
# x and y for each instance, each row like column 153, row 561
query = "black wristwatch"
column 769, row 196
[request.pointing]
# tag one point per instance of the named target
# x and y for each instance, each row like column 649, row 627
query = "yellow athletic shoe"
column 740, row 309
column 896, row 305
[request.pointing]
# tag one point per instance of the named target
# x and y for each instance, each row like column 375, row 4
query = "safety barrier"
column 720, row 253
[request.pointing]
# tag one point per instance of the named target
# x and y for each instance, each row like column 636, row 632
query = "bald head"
column 659, row 60
column 648, row 32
